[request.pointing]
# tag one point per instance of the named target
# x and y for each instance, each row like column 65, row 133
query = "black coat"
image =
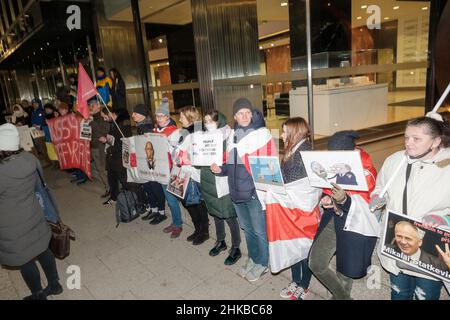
column 114, row 152
column 119, row 94
column 240, row 182
column 353, row 250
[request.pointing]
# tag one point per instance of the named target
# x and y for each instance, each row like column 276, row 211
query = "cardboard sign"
column 341, row 167
column 26, row 142
column 266, row 173
column 415, row 246
column 207, row 148
column 179, row 180
column 85, row 130
column 36, row 133
column 72, row 151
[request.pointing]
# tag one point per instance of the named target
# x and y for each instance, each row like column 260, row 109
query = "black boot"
column 235, row 254
column 150, row 215
column 40, row 295
column 218, row 248
column 53, row 289
column 203, row 234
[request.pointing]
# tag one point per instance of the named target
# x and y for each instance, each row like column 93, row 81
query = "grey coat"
column 24, row 232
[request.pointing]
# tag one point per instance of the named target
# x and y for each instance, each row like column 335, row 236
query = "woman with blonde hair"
column 190, row 119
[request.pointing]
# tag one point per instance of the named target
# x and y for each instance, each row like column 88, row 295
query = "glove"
column 376, row 203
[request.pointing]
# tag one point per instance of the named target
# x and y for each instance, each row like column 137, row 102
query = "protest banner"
column 26, row 142
column 266, row 173
column 341, row 167
column 179, row 180
column 152, row 160
column 72, row 151
column 207, row 148
column 416, row 246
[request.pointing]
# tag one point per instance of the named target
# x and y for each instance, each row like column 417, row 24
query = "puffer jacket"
column 221, row 208
column 240, row 182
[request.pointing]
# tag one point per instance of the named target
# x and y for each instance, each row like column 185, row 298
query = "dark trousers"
column 301, row 274
column 31, row 275
column 235, row 230
column 114, row 177
column 199, row 216
column 155, row 194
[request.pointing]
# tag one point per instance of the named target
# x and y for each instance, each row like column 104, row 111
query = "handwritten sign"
column 207, row 148
column 72, row 151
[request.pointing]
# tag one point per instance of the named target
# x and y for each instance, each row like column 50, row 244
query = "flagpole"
column 107, row 108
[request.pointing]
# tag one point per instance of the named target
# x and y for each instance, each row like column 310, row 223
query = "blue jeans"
column 252, row 220
column 174, row 206
column 301, row 274
column 406, row 287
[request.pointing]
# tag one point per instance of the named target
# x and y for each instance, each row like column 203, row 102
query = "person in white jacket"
column 420, row 190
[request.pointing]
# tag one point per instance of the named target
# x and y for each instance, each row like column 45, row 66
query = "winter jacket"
column 428, row 193
column 293, row 169
column 353, row 250
column 114, row 152
column 104, row 86
column 218, row 207
column 240, row 182
column 144, row 126
column 24, row 232
column 38, row 116
column 119, row 94
column 100, row 128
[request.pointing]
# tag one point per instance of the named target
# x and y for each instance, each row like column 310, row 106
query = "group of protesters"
column 424, row 192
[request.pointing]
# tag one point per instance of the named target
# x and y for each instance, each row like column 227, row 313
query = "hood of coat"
column 18, row 166
column 441, row 159
column 257, row 121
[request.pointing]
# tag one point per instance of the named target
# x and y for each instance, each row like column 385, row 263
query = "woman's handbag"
column 193, row 194
column 61, row 234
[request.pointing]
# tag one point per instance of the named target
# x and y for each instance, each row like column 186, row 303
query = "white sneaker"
column 288, row 291
column 299, row 294
column 256, row 273
column 246, row 268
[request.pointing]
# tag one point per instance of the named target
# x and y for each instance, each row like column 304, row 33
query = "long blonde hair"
column 297, row 129
column 191, row 113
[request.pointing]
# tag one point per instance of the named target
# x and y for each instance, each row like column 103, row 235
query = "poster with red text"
column 72, row 151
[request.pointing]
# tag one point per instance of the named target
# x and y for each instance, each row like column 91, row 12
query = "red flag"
column 86, row 90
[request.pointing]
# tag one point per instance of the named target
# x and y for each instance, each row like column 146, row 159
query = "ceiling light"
column 329, row 4
column 160, row 40
column 425, row 8
column 396, row 7
column 284, row 4
column 386, row 18
column 358, row 18
column 251, row 86
column 411, row 73
column 260, row 47
column 271, row 44
column 364, row 7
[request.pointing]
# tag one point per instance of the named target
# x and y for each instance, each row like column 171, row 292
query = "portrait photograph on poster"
column 416, row 246
column 179, row 180
column 152, row 157
column 341, row 167
column 266, row 173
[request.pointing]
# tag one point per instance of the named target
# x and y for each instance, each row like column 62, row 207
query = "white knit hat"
column 9, row 137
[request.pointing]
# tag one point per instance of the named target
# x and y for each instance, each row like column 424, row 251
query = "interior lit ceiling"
column 272, row 16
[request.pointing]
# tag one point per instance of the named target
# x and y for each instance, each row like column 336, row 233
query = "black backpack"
column 127, row 207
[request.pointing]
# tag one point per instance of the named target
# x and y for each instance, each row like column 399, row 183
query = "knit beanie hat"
column 9, row 137
column 242, row 103
column 163, row 107
column 141, row 109
column 343, row 140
